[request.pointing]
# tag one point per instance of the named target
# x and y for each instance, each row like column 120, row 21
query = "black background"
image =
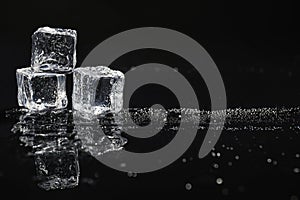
column 255, row 45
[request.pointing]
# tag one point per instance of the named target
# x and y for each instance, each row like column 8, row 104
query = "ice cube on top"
column 53, row 50
column 97, row 90
column 41, row 90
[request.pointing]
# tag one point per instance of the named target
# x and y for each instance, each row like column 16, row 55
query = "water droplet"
column 260, row 146
column 218, row 154
column 274, row 162
column 296, row 170
column 123, row 164
column 219, row 181
column 297, row 155
column 184, row 160
column 213, row 154
column 237, row 157
column 269, row 160
column 215, row 165
column 188, row 186
column 131, row 174
column 229, row 163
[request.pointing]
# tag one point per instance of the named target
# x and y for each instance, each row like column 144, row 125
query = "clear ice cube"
column 97, row 90
column 57, row 168
column 40, row 90
column 54, row 50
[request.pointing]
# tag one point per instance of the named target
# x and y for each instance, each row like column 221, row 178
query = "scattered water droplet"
column 184, row 160
column 218, row 154
column 123, row 164
column 269, row 160
column 297, row 155
column 215, row 165
column 229, row 163
column 131, row 174
column 96, row 175
column 219, row 181
column 296, row 170
column 88, row 181
column 188, row 186
column 237, row 157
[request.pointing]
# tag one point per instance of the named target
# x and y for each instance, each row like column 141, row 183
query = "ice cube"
column 97, row 90
column 53, row 50
column 40, row 90
column 57, row 168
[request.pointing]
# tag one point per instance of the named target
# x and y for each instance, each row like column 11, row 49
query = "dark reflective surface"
column 257, row 153
column 53, row 139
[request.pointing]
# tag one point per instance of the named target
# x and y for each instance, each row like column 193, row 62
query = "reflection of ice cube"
column 39, row 91
column 54, row 49
column 57, row 168
column 49, row 123
column 92, row 137
column 97, row 90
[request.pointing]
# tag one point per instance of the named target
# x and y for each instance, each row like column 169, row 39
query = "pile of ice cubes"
column 43, row 85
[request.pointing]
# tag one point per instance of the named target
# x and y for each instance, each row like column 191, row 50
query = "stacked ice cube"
column 43, row 85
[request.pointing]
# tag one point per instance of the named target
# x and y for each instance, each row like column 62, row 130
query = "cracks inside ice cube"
column 41, row 90
column 54, row 50
column 97, row 90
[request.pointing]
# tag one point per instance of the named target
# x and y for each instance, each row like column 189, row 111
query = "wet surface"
column 257, row 155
